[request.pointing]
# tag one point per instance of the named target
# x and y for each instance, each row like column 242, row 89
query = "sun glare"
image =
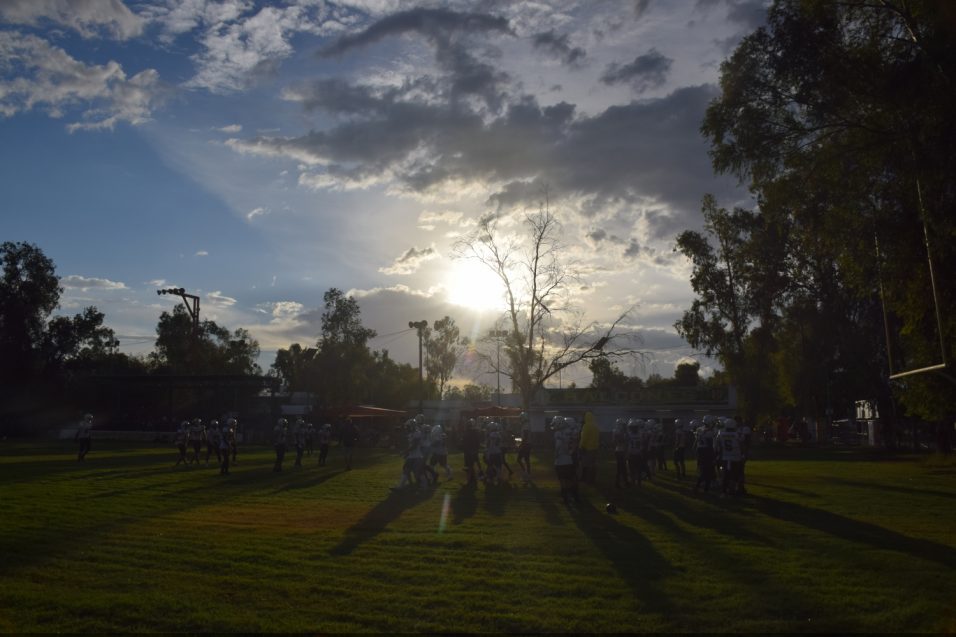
column 472, row 285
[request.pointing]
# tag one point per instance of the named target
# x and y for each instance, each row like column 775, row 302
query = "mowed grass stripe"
column 128, row 542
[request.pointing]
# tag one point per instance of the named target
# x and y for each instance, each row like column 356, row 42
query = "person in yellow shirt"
column 588, row 448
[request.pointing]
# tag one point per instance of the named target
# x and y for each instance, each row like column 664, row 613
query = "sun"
column 473, row 285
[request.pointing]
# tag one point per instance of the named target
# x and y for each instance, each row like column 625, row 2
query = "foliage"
column 470, row 392
column 839, row 118
column 546, row 331
column 29, row 292
column 605, row 375
column 443, row 346
column 341, row 370
column 82, row 340
column 687, row 374
column 210, row 350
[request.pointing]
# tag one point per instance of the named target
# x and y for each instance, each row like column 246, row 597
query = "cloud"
column 448, row 32
column 648, row 71
column 75, row 281
column 231, row 128
column 434, row 24
column 257, row 212
column 628, row 158
column 241, row 46
column 560, row 47
column 157, row 283
column 89, row 18
column 450, row 217
column 410, row 260
column 218, row 298
column 51, row 79
column 201, row 253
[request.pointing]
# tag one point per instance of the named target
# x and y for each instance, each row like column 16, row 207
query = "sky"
column 259, row 153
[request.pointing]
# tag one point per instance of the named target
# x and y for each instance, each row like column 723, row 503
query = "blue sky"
column 260, row 153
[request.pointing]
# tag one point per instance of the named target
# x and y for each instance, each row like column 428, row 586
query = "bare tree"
column 546, row 333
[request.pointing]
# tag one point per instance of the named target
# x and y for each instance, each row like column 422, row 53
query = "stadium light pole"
column 421, row 326
column 191, row 301
column 498, row 335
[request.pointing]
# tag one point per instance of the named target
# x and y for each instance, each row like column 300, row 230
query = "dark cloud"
column 633, row 250
column 447, row 32
column 560, row 47
column 410, row 260
column 640, row 7
column 751, row 14
column 434, row 24
column 597, row 235
column 646, row 72
column 628, row 155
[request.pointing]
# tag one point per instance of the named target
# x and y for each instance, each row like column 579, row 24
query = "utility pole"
column 191, row 302
column 498, row 335
column 421, row 326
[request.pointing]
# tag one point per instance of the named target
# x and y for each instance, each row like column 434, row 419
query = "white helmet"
column 437, row 431
column 651, row 423
column 213, row 423
column 282, row 422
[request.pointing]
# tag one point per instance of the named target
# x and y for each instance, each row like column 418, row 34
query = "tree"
column 547, row 332
column 687, row 374
column 82, row 339
column 210, row 350
column 294, row 367
column 605, row 375
column 343, row 358
column 470, row 392
column 29, row 292
column 838, row 115
column 443, row 347
column 739, row 290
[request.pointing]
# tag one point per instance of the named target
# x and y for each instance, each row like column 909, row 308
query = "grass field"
column 826, row 541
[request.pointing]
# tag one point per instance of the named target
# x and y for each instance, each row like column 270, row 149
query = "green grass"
column 827, row 541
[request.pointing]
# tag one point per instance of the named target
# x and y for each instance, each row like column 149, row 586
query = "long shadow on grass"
column 656, row 507
column 856, row 531
column 497, row 497
column 464, row 503
column 630, row 553
column 304, row 481
column 889, row 487
column 378, row 518
column 806, row 494
column 548, row 501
